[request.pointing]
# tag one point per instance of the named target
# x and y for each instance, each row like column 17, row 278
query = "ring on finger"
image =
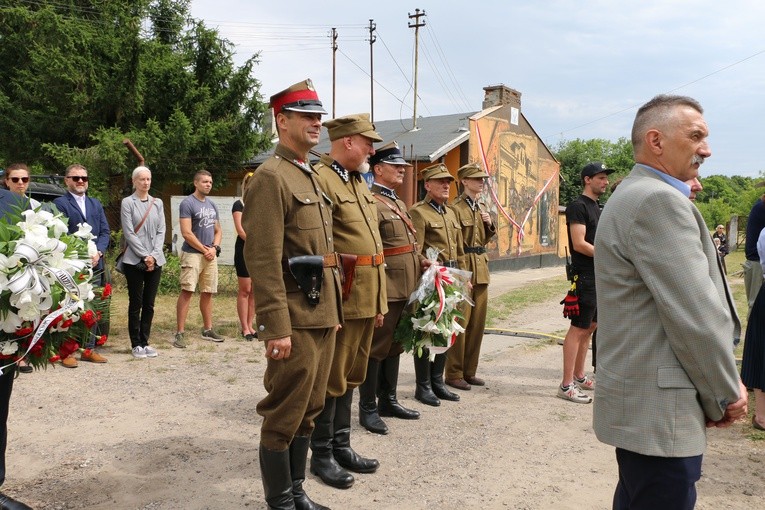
column 275, row 352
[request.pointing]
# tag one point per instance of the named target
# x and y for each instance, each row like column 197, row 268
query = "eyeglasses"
column 77, row 178
column 15, row 180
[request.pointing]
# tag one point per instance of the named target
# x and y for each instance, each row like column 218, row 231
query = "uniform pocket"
column 348, row 209
column 307, row 215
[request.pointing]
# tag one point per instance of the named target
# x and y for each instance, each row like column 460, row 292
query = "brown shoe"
column 69, row 362
column 93, row 357
column 460, row 384
column 475, row 381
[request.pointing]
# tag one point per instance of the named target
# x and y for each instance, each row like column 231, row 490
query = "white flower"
column 92, row 249
column 10, row 321
column 8, row 347
column 84, row 231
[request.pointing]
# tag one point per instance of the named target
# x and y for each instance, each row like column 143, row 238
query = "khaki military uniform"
column 355, row 231
column 286, row 215
column 438, row 227
column 462, row 357
column 402, row 267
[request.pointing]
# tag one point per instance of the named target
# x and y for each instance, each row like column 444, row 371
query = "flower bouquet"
column 432, row 318
column 48, row 304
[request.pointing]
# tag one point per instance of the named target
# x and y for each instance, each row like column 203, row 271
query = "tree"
column 78, row 77
column 573, row 155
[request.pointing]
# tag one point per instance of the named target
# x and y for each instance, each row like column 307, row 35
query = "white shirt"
column 80, row 199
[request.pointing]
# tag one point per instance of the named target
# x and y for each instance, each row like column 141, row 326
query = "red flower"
column 26, row 331
column 82, row 276
column 107, row 291
column 54, row 359
column 87, row 352
column 37, row 350
column 101, row 340
column 68, row 347
column 89, row 318
column 99, row 315
column 67, row 323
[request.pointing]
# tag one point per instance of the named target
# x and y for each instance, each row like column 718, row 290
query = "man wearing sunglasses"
column 80, row 208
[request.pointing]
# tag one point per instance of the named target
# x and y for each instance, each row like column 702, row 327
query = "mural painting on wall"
column 524, row 191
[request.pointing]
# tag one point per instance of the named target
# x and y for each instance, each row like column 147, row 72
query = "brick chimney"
column 500, row 95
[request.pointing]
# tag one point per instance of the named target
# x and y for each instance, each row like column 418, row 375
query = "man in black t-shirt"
column 582, row 216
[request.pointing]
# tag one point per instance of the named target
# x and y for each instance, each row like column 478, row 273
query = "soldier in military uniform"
column 402, row 270
column 477, row 230
column 355, row 232
column 286, row 217
column 437, row 227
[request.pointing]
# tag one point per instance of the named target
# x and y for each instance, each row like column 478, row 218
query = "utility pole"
column 372, row 39
column 334, row 67
column 416, row 28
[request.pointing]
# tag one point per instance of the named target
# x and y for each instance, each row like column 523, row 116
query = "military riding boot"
column 277, row 482
column 437, row 379
column 298, row 458
column 388, row 403
column 323, row 463
column 424, row 392
column 368, row 416
column 341, row 444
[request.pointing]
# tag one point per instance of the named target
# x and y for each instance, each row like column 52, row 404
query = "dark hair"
column 201, row 173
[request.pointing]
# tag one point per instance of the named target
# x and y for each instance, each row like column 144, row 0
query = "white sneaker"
column 150, row 351
column 139, row 352
column 585, row 383
column 574, row 394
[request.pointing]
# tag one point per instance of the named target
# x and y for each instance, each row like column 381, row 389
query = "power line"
column 450, row 73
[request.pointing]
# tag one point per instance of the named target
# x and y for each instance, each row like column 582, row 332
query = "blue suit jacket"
column 9, row 201
column 95, row 217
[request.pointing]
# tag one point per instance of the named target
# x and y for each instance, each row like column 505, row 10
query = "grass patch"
column 538, row 292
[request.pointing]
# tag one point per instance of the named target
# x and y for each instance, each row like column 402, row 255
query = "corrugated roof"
column 433, row 138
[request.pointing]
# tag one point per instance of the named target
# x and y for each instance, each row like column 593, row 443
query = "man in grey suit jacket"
column 667, row 320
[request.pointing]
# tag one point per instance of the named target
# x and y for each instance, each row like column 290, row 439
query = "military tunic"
column 402, row 271
column 462, row 357
column 355, row 231
column 286, row 215
column 438, row 227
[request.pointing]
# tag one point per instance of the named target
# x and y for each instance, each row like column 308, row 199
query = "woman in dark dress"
column 245, row 300
column 753, row 363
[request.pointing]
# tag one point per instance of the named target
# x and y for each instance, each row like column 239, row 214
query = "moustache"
column 698, row 159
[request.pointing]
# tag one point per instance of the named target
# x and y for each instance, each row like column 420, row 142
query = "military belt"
column 451, row 263
column 329, row 260
column 370, row 260
column 400, row 250
column 480, row 250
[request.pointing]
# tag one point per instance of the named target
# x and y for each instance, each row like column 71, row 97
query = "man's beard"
column 364, row 168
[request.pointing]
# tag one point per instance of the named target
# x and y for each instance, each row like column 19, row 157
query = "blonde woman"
column 143, row 228
column 245, row 300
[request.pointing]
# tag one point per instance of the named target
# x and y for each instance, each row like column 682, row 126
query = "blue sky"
column 583, row 67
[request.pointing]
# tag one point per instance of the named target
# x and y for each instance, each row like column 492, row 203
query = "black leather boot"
column 388, row 403
column 323, row 463
column 8, row 503
column 424, row 392
column 437, row 379
column 368, row 416
column 341, row 444
column 298, row 458
column 277, row 482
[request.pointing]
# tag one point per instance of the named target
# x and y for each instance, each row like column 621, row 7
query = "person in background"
column 403, row 265
column 722, row 244
column 17, row 181
column 752, row 275
column 437, row 227
column 80, row 208
column 200, row 227
column 753, row 362
column 245, row 300
column 354, row 231
column 477, row 231
column 9, row 202
column 143, row 230
column 582, row 216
